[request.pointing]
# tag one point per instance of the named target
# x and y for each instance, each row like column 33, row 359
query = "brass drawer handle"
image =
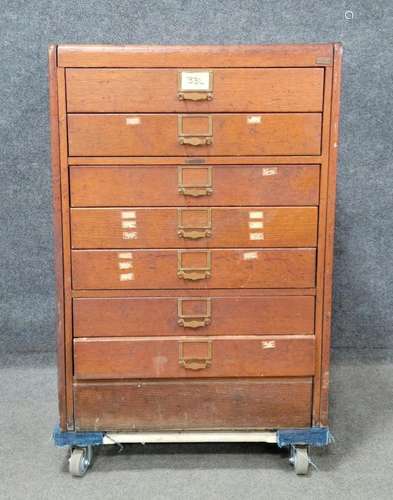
column 202, row 135
column 194, row 234
column 191, row 189
column 195, row 364
column 193, row 275
column 194, row 323
column 195, row 141
column 194, row 229
column 194, row 320
column 194, row 96
column 195, row 85
column 195, row 191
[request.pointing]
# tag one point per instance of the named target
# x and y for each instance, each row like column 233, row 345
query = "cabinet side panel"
column 330, row 220
column 65, row 204
column 57, row 228
column 321, row 242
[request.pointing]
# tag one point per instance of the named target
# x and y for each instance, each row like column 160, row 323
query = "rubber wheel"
column 79, row 461
column 300, row 460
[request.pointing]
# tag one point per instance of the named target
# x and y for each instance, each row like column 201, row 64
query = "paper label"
column 130, row 236
column 255, row 225
column 125, row 255
column 270, row 171
column 268, row 344
column 127, row 224
column 126, row 276
column 134, row 120
column 256, row 215
column 125, row 265
column 257, row 236
column 128, row 215
column 195, row 80
column 250, row 255
column 252, row 120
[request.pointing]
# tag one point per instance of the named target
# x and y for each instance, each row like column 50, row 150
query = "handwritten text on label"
column 256, row 215
column 130, row 236
column 270, row 171
column 195, row 80
column 125, row 255
column 250, row 255
column 128, row 215
column 126, row 276
column 257, row 236
column 255, row 225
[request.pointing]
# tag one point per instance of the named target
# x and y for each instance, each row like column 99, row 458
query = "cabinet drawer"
column 194, row 227
column 163, row 185
column 160, row 90
column 207, row 404
column 151, row 316
column 166, row 357
column 177, row 269
column 163, row 134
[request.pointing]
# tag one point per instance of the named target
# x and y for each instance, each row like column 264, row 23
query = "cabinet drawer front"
column 157, row 90
column 194, row 185
column 151, row 316
column 159, row 134
column 207, row 404
column 114, row 358
column 177, row 269
column 194, row 227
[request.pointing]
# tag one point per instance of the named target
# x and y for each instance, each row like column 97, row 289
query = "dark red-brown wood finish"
column 194, row 194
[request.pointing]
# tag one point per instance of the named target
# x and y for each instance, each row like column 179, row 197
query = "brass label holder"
column 199, row 139
column 194, row 320
column 194, row 232
column 195, row 85
column 195, row 190
column 193, row 273
column 195, row 363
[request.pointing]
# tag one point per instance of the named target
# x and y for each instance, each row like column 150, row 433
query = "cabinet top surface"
column 104, row 56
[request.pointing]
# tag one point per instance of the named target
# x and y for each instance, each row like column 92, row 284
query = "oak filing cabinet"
column 194, row 193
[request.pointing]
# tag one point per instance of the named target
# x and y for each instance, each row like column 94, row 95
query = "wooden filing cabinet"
column 194, row 192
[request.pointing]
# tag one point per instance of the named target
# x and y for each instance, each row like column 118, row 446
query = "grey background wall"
column 363, row 297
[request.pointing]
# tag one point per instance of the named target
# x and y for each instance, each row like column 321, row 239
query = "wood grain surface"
column 194, row 56
column 230, row 268
column 155, row 316
column 155, row 90
column 159, row 185
column 114, row 358
column 193, row 227
column 158, row 134
column 193, row 404
column 194, row 281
